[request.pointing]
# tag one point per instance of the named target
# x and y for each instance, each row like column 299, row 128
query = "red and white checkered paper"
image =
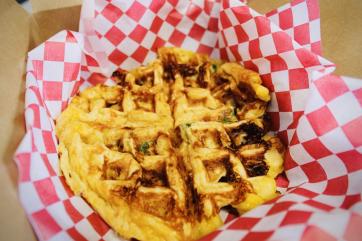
column 318, row 115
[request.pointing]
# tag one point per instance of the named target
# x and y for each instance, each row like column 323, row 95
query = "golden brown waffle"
column 159, row 154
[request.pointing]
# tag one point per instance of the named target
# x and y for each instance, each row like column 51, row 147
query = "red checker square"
column 38, row 69
column 316, row 47
column 250, row 65
column 351, row 200
column 280, row 207
column 286, row 19
column 204, row 49
column 304, row 192
column 252, row 236
column 36, row 115
column 46, row 191
column 295, row 139
column 209, row 4
column 277, row 63
column 301, row 34
column 289, row 162
column 196, row 32
column 49, row 142
column 52, row 90
column 315, row 233
column 282, row 181
column 210, row 236
column 156, row 24
column 173, row 2
column 284, row 101
column 353, row 131
column 283, row 136
column 230, row 217
column 282, row 42
column 267, row 81
column 235, row 52
column 330, row 87
column 23, row 160
column 306, row 58
column 114, row 35
column 295, row 216
column 159, row 42
column 98, row 224
column 96, row 78
column 66, row 186
column 223, row 54
column 358, row 94
column 45, row 224
column 91, row 61
column 242, row 13
column 156, row 5
column 54, row 51
column 352, row 160
column 313, row 9
column 318, row 205
column 72, row 211
column 140, row 54
column 314, row 171
column 322, row 120
column 64, row 105
column 244, row 223
column 136, row 11
column 213, row 24
column 240, row 34
column 48, row 165
column 353, row 231
column 275, row 120
column 117, row 57
column 224, row 20
column 298, row 79
column 177, row 38
column 75, row 234
column 296, row 117
column 70, row 38
column 193, row 11
column 316, row 148
column 254, row 49
column 112, row 13
column 337, row 186
column 262, row 25
column 174, row 17
column 71, row 71
column 138, row 33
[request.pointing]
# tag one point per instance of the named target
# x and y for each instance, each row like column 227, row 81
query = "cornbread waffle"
column 159, row 154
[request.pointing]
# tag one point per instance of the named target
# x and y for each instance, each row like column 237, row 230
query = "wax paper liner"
column 317, row 114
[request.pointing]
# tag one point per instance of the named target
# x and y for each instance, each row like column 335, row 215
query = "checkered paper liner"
column 316, row 113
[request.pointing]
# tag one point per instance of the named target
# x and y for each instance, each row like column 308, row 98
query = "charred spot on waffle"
column 255, row 167
column 119, row 76
column 169, row 68
column 187, row 70
column 201, row 77
column 147, row 78
column 247, row 133
column 230, row 175
column 152, row 178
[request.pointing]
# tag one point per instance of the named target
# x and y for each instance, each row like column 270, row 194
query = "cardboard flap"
column 43, row 5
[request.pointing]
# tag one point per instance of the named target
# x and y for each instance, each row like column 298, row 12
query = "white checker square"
column 145, row 19
column 230, row 36
column 259, row 211
column 269, row 223
column 244, row 52
column 209, row 38
column 129, row 63
column 345, row 108
column 286, row 119
column 100, row 5
column 335, row 228
column 296, row 176
column 72, row 53
column 267, row 46
column 61, row 236
column 291, row 59
column 53, row 70
column 300, row 13
column 111, row 236
column 234, row 21
column 38, row 169
column 290, row 232
column 273, row 106
column 58, row 212
column 36, row 54
column 357, row 208
column 81, row 206
column 336, row 141
column 203, row 19
column 215, row 53
column 315, row 101
column 148, row 40
column 101, row 24
column 165, row 31
column 59, row 188
column 230, row 235
column 263, row 65
column 165, row 10
column 354, row 183
column 299, row 154
column 126, row 24
column 54, row 162
column 54, row 107
column 185, row 25
column 86, row 229
column 317, row 187
column 27, row 192
column 305, row 131
column 108, row 47
column 292, row 197
column 190, row 44
column 290, row 134
column 290, row 32
column 274, row 19
column 334, row 201
column 45, row 120
column 123, row 5
column 281, row 80
column 333, row 166
column 352, row 83
column 128, row 46
column 250, row 29
column 314, row 28
column 95, row 43
column 299, row 98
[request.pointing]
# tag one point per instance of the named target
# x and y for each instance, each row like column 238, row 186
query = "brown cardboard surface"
column 341, row 37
